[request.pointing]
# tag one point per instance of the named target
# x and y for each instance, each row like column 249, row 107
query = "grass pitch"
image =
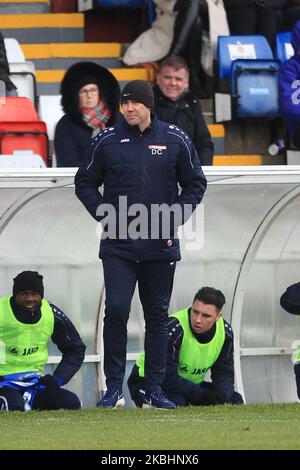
column 222, row 427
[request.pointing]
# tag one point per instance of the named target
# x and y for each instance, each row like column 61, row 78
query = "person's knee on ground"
column 237, row 399
column 60, row 399
column 11, row 400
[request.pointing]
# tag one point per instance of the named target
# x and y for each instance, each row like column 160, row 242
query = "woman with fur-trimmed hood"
column 90, row 100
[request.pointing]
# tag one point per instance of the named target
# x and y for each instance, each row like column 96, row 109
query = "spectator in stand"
column 178, row 31
column 153, row 44
column 194, row 17
column 90, row 99
column 10, row 89
column 289, row 89
column 175, row 103
column 27, row 322
column 254, row 17
column 290, row 15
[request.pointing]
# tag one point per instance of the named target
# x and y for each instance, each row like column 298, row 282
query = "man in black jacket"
column 174, row 103
column 27, row 322
column 290, row 301
column 199, row 340
column 140, row 162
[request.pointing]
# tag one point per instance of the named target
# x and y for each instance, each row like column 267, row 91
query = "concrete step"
column 247, row 160
column 41, row 28
column 17, row 7
column 58, row 64
column 61, row 50
column 62, row 56
column 217, row 132
column 48, row 81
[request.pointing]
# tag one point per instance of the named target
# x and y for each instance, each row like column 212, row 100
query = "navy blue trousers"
column 155, row 283
column 54, row 399
column 297, row 377
column 137, row 383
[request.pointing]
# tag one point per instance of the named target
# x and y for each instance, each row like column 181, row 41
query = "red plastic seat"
column 26, row 135
column 17, row 108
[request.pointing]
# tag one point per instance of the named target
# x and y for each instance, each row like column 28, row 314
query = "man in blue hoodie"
column 289, row 89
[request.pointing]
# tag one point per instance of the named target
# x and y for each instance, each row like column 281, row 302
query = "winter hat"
column 79, row 75
column 140, row 91
column 28, row 280
column 82, row 81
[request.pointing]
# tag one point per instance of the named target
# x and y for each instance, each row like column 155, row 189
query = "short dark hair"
column 210, row 296
column 175, row 62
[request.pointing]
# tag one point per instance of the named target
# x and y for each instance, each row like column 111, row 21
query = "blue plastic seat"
column 247, row 64
column 283, row 47
column 231, row 48
column 254, row 85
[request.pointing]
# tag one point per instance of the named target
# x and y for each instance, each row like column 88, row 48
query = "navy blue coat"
column 71, row 141
column 128, row 163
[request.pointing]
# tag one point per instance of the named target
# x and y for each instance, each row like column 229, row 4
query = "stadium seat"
column 50, row 111
column 13, row 50
column 16, row 108
column 22, row 74
column 248, row 47
column 30, row 136
column 24, row 136
column 283, row 47
column 22, row 160
column 246, row 86
column 254, row 88
column 20, row 128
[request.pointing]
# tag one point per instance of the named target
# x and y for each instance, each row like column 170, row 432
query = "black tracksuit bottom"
column 49, row 399
column 155, row 282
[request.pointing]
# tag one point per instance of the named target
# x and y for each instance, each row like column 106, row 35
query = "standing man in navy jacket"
column 140, row 162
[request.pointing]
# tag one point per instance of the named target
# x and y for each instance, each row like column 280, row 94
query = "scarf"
column 96, row 117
